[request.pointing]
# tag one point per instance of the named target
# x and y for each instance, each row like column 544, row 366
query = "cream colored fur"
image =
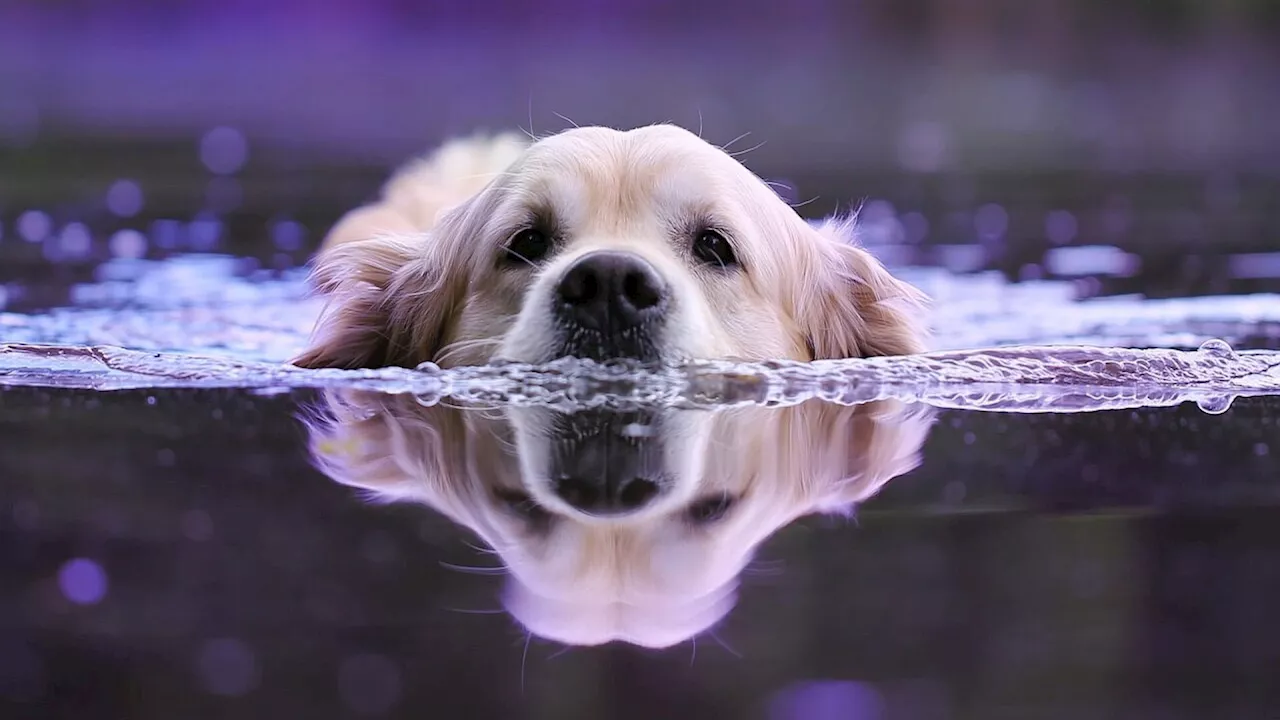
column 652, row 579
column 412, row 277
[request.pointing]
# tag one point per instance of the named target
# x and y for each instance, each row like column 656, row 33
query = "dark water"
column 175, row 552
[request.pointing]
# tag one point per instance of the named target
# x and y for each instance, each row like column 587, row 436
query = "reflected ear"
column 864, row 447
column 855, row 307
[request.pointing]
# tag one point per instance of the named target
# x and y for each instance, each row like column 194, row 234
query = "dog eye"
column 713, row 248
column 527, row 247
column 709, row 509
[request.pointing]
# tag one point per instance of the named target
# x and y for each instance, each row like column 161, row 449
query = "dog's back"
column 417, row 194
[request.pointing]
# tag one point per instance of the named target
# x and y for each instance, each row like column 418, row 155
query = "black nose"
column 610, row 291
column 606, row 496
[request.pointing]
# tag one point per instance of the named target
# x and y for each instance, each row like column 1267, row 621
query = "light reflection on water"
column 228, row 306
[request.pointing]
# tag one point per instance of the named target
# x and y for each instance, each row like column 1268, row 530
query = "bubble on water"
column 369, row 684
column 228, row 667
column 124, row 198
column 637, row 430
column 224, row 150
column 34, row 226
column 166, row 234
column 204, row 233
column 75, row 242
column 128, row 244
column 1215, row 404
column 83, row 581
column 288, row 235
column 1218, row 347
column 827, row 700
column 1060, row 227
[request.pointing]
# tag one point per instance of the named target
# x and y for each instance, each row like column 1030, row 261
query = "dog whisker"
column 474, row 569
column 720, row 641
column 753, row 148
column 465, row 611
column 562, row 117
column 725, row 147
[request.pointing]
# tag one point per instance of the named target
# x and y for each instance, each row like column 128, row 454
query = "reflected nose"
column 606, row 496
column 609, row 291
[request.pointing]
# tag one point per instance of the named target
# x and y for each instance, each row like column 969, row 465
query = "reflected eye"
column 527, row 247
column 709, row 509
column 713, row 248
column 523, row 505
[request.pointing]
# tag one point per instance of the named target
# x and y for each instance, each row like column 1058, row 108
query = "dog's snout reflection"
column 617, row 525
column 606, row 463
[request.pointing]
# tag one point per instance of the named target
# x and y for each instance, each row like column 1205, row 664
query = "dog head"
column 586, row 572
column 649, row 244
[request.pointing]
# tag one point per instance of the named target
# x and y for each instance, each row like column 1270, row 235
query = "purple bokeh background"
column 920, row 85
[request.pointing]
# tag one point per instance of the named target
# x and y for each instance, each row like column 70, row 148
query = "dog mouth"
column 611, row 305
column 607, row 462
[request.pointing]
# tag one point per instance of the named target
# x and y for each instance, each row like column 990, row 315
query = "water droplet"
column 224, row 150
column 1218, row 348
column 1060, row 227
column 129, row 244
column 83, row 581
column 34, row 226
column 124, row 198
column 288, row 235
column 1217, row 404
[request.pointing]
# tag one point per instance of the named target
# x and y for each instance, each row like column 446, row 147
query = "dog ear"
column 389, row 299
column 856, row 308
column 392, row 449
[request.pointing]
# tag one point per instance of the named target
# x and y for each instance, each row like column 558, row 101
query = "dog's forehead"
column 590, row 172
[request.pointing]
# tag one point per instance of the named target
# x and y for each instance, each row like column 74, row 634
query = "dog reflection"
column 629, row 525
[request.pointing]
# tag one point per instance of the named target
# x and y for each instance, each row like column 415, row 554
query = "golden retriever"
column 652, row 578
column 650, row 244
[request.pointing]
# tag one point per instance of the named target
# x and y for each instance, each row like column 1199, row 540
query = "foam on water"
column 1012, row 379
column 210, row 321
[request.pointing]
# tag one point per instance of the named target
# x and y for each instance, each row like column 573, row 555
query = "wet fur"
column 412, row 276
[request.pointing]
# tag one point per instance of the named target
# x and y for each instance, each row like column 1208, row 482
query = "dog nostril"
column 639, row 290
column 636, row 493
column 578, row 493
column 580, row 287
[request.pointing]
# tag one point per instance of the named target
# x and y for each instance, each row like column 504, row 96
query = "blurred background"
column 1131, row 143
